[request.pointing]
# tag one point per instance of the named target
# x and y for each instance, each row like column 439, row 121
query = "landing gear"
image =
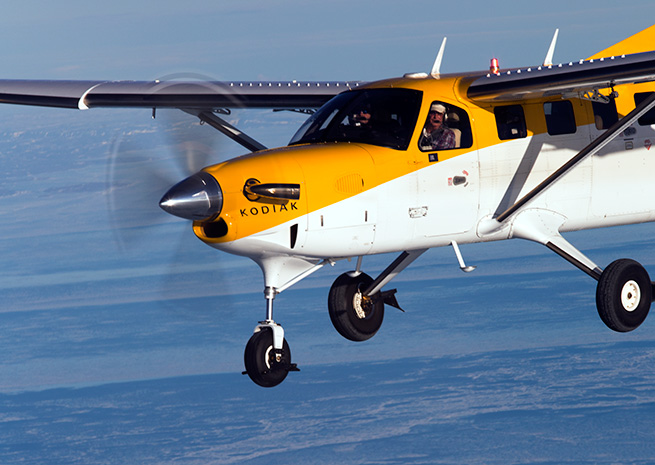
column 354, row 316
column 356, row 301
column 265, row 365
column 624, row 295
column 624, row 291
column 267, row 357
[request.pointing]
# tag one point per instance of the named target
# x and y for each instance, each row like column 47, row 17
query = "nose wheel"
column 267, row 357
column 266, row 365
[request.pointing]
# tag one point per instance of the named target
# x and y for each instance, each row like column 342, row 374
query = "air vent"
column 350, row 184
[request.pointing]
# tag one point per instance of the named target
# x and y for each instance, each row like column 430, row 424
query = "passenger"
column 436, row 136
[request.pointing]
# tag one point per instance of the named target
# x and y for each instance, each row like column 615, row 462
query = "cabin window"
column 605, row 114
column 447, row 127
column 559, row 117
column 649, row 117
column 510, row 122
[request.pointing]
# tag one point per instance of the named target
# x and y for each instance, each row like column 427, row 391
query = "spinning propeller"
column 146, row 162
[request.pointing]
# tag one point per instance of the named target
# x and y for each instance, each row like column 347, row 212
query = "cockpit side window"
column 447, row 127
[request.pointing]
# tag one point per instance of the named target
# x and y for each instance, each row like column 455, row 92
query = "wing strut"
column 226, row 128
column 588, row 151
column 543, row 226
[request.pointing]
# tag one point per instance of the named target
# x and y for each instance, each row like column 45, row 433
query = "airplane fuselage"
column 357, row 198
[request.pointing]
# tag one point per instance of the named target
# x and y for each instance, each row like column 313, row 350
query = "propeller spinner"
column 198, row 197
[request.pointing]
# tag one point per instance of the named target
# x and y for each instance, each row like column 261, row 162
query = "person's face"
column 436, row 119
column 362, row 116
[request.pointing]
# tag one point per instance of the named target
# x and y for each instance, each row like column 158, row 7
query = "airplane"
column 406, row 164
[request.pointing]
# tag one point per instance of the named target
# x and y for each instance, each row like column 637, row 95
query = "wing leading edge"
column 199, row 95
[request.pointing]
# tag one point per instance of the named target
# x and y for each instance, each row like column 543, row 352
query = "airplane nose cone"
column 198, row 197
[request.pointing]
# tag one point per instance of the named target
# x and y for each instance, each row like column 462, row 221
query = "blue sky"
column 298, row 39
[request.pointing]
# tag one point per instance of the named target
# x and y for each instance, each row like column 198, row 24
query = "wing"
column 570, row 78
column 191, row 95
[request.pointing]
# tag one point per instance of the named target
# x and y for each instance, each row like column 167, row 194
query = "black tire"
column 354, row 318
column 624, row 295
column 259, row 359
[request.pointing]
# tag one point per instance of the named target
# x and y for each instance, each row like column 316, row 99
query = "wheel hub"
column 358, row 305
column 268, row 357
column 630, row 296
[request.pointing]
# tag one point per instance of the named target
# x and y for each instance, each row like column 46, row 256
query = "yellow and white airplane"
column 406, row 164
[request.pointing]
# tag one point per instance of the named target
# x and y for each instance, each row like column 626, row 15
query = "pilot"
column 362, row 116
column 436, row 136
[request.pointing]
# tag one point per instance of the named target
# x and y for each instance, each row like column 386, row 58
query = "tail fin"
column 643, row 41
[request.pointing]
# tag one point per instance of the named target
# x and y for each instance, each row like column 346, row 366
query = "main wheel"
column 261, row 361
column 353, row 315
column 624, row 295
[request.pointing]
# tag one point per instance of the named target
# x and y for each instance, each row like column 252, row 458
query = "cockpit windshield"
column 384, row 117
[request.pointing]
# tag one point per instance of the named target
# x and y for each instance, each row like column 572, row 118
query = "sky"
column 298, row 39
column 87, row 306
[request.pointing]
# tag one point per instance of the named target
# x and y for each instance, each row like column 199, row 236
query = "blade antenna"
column 548, row 61
column 436, row 68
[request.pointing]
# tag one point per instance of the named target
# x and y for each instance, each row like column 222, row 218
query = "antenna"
column 548, row 61
column 436, row 68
